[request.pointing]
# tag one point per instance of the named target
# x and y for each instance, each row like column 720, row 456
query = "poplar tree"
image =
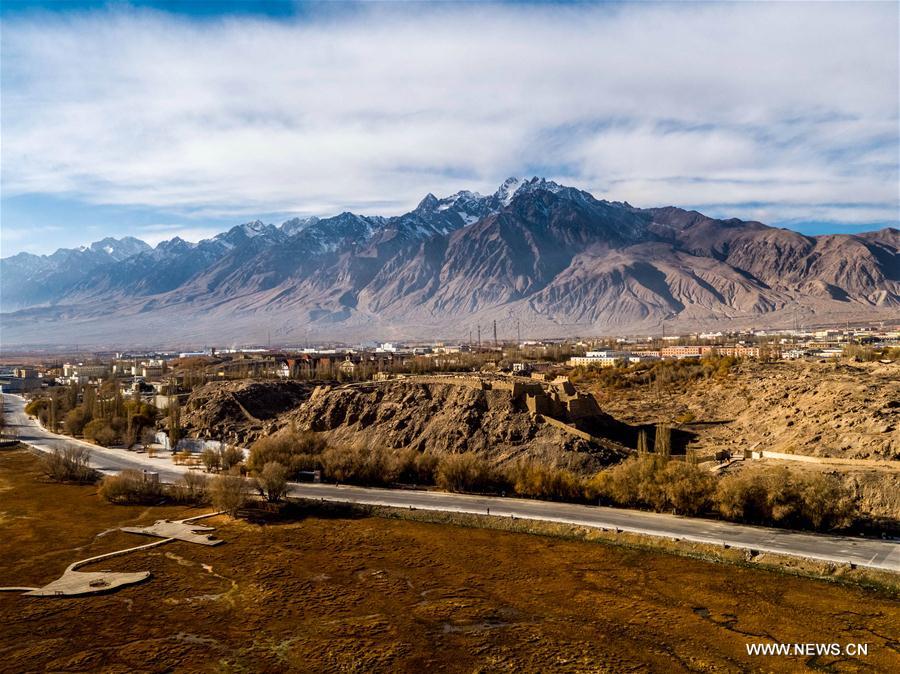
column 642, row 445
column 662, row 444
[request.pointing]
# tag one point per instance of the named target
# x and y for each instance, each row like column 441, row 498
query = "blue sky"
column 161, row 118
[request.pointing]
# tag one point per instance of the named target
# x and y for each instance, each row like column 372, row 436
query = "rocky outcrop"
column 447, row 417
column 848, row 410
column 438, row 414
column 241, row 411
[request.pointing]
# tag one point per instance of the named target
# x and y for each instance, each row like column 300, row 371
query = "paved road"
column 839, row 549
column 103, row 459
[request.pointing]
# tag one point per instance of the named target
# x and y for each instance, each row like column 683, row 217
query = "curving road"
column 874, row 553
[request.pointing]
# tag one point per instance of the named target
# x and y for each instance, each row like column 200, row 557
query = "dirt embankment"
column 822, row 409
column 367, row 594
column 241, row 411
column 846, row 410
column 445, row 418
column 439, row 417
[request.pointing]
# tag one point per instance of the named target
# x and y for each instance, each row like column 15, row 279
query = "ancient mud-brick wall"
column 471, row 382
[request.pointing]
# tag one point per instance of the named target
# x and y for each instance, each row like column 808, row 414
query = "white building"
column 83, row 373
column 599, row 358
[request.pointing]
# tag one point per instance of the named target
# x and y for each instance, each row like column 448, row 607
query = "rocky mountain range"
column 547, row 258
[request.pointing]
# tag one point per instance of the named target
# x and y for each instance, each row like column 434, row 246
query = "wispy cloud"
column 794, row 105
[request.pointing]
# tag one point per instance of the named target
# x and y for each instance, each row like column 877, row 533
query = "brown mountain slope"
column 552, row 259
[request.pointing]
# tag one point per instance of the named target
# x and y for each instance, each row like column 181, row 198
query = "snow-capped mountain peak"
column 249, row 230
column 429, row 203
column 255, row 228
column 117, row 249
column 507, row 190
column 294, row 225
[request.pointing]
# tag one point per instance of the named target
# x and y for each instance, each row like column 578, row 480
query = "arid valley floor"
column 370, row 594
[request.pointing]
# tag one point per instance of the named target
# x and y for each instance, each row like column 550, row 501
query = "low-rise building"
column 699, row 350
column 347, row 367
column 163, row 402
column 599, row 358
column 151, row 371
column 82, row 373
column 14, row 384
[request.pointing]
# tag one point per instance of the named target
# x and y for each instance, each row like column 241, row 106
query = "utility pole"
column 479, row 336
column 519, row 331
column 495, row 333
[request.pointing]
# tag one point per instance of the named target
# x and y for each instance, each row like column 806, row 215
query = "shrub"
column 783, row 497
column 211, row 459
column 826, row 504
column 130, row 487
column 230, row 457
column 99, row 431
column 653, row 481
column 411, row 466
column 75, row 421
column 426, row 466
column 634, row 482
column 294, row 450
column 184, row 457
column 742, row 497
column 357, row 465
column 688, row 489
column 193, row 487
column 69, row 465
column 271, row 482
column 467, row 472
column 536, row 480
column 228, row 493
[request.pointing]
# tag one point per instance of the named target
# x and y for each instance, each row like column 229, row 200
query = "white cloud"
column 791, row 104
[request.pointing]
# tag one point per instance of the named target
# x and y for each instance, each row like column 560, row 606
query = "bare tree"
column 271, row 482
column 211, row 459
column 229, row 493
column 129, row 487
column 662, row 444
column 193, row 487
column 642, row 444
column 148, row 435
column 71, row 464
column 230, row 456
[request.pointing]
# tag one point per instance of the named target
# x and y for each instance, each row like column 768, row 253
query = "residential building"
column 599, row 358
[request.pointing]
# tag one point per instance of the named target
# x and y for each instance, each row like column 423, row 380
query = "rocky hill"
column 550, row 258
column 823, row 409
column 240, row 411
column 442, row 415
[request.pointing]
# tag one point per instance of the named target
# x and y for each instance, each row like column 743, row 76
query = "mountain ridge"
column 534, row 253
